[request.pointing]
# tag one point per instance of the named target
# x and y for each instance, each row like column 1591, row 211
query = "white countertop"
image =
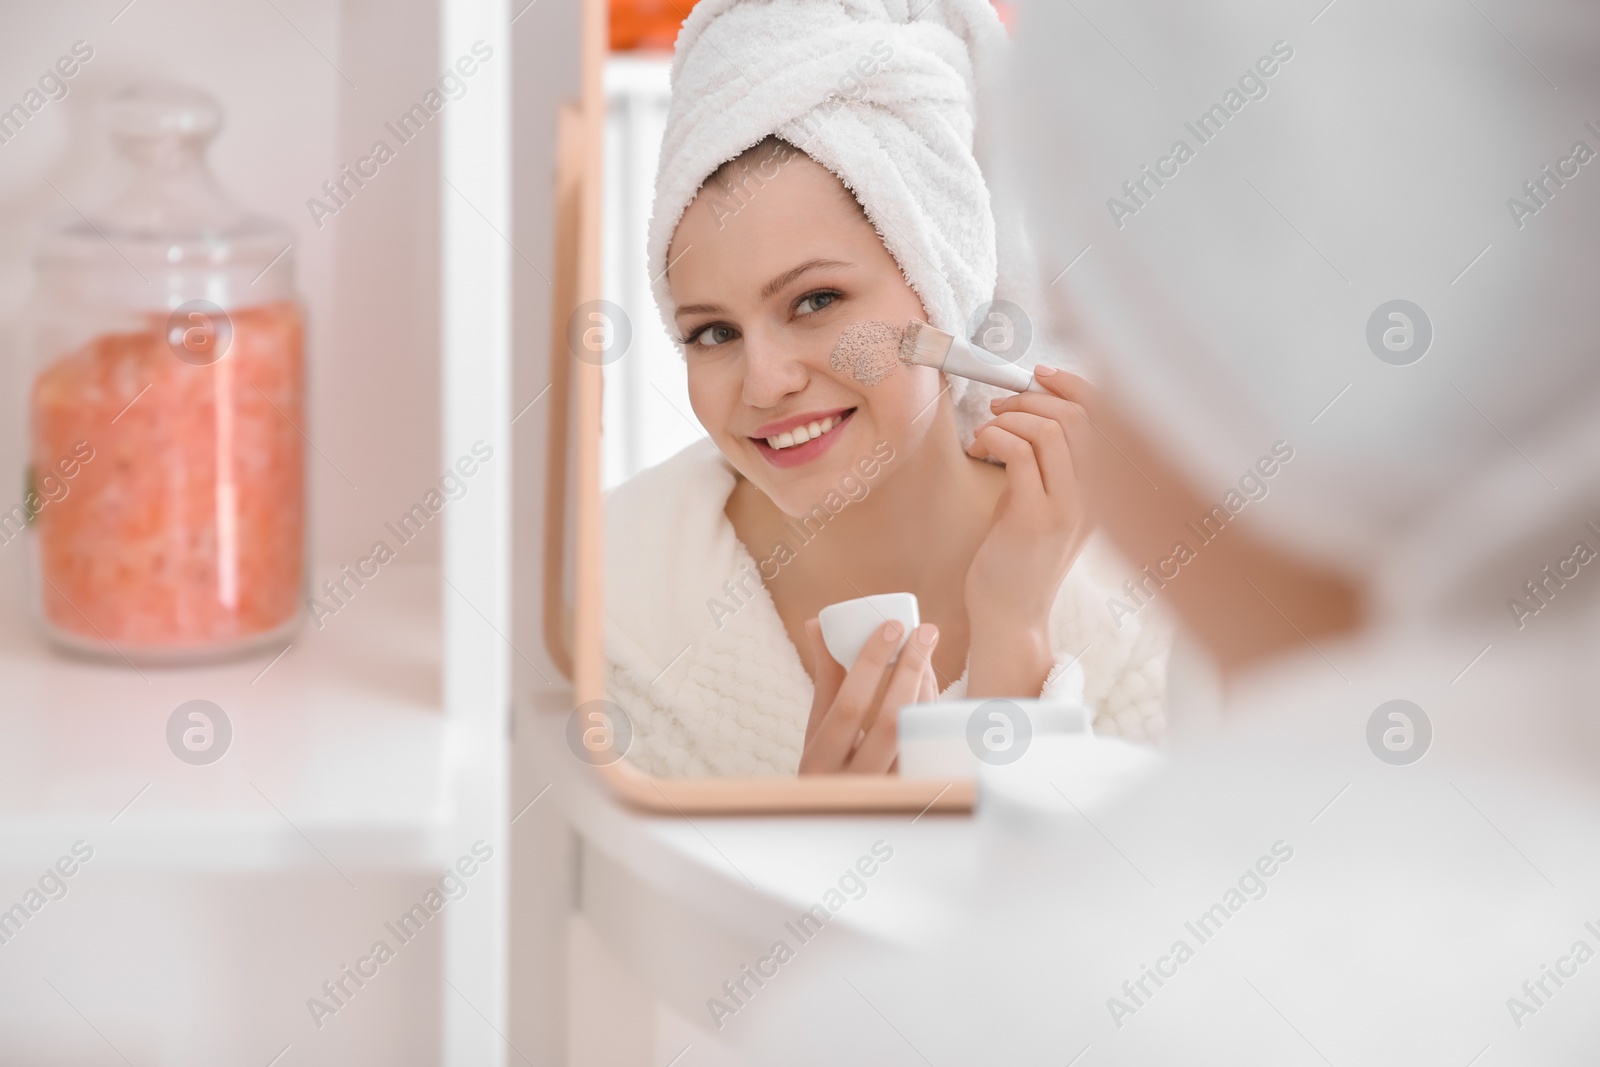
column 1414, row 899
column 750, row 874
column 340, row 753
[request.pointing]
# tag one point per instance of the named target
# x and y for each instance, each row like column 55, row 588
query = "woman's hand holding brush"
column 1040, row 525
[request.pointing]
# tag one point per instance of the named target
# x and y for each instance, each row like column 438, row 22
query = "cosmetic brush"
column 929, row 346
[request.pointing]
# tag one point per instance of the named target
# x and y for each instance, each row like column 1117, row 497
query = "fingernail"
column 1044, row 370
column 994, row 405
column 926, row 633
column 893, row 630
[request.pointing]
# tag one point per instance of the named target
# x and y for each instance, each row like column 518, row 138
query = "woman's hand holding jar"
column 853, row 727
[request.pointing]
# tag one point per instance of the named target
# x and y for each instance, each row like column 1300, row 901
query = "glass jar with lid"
column 165, row 490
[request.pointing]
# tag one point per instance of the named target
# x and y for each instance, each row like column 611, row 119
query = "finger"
column 828, row 676
column 877, row 751
column 825, row 688
column 1022, row 469
column 928, row 692
column 1072, row 417
column 841, row 722
column 983, row 446
column 1051, row 407
column 1066, row 385
column 1050, row 448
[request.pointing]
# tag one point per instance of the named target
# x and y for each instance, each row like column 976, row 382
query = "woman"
column 840, row 187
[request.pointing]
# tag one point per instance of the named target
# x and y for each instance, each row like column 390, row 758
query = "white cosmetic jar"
column 847, row 624
column 954, row 738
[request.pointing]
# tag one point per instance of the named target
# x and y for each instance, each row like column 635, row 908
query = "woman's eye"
column 814, row 302
column 715, row 334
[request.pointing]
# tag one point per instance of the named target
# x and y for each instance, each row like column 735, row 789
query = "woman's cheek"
column 706, row 400
column 907, row 417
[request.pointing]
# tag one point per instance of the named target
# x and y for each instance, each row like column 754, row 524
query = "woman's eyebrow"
column 782, row 280
column 767, row 291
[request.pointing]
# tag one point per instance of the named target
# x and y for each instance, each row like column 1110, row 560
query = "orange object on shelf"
column 165, row 498
column 185, row 528
column 647, row 24
column 652, row 25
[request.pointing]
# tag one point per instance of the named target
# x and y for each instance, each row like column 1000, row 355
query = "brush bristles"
column 924, row 345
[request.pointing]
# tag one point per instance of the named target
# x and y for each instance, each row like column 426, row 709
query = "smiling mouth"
column 809, row 432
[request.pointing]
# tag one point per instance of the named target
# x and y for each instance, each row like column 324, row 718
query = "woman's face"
column 763, row 286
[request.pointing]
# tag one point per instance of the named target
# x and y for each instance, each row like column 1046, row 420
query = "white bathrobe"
column 698, row 658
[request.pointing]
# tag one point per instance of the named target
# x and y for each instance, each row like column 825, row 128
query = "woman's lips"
column 798, row 455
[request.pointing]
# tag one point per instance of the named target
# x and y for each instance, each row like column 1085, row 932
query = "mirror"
column 781, row 477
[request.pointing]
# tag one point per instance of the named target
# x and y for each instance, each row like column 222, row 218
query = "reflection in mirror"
column 824, row 504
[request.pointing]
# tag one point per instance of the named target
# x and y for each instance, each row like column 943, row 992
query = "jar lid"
column 172, row 233
column 153, row 112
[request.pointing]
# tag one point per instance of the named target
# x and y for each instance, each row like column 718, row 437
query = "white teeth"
column 801, row 434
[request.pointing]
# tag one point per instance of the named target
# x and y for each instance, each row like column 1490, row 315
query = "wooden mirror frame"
column 575, row 634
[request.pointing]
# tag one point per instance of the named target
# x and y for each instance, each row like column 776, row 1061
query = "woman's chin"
column 799, row 493
column 799, row 499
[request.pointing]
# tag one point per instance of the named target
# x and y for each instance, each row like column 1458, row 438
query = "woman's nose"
column 772, row 371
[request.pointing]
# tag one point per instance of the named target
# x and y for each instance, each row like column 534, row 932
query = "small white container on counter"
column 953, row 738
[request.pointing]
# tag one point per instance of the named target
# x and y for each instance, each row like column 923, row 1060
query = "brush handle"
column 964, row 362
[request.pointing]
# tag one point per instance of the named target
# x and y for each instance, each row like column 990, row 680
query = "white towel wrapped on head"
column 880, row 92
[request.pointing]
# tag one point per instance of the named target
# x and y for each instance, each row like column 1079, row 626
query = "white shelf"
column 343, row 740
column 378, row 743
